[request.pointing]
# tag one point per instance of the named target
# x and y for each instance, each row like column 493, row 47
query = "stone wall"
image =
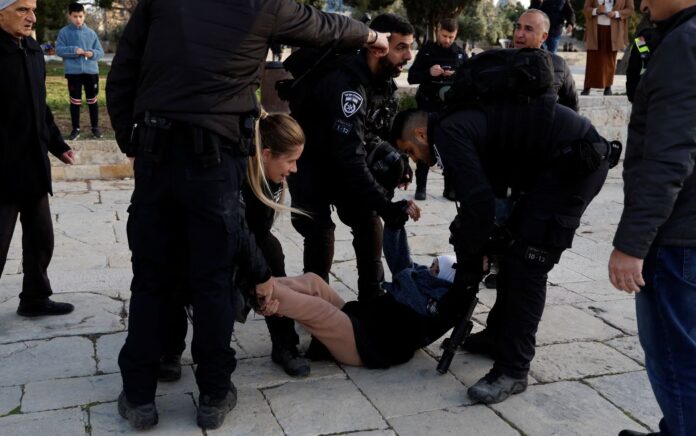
column 103, row 159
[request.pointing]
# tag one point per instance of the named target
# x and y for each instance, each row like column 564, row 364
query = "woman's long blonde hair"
column 280, row 134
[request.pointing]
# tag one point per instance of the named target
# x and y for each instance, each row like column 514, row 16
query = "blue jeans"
column 551, row 43
column 396, row 251
column 666, row 313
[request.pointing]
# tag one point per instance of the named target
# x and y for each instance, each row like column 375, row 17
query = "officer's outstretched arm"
column 301, row 25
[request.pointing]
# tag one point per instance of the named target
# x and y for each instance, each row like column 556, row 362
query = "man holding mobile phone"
column 433, row 69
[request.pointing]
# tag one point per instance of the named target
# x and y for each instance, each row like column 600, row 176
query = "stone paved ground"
column 58, row 376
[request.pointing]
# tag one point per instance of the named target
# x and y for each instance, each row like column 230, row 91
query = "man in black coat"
column 655, row 243
column 27, row 134
column 332, row 110
column 561, row 13
column 181, row 94
column 555, row 187
column 433, row 70
column 531, row 30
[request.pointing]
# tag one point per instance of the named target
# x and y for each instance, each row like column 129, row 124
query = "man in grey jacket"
column 655, row 243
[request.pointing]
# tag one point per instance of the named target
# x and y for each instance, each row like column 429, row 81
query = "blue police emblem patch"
column 350, row 103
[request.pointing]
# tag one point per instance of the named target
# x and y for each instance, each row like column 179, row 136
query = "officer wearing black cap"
column 182, row 99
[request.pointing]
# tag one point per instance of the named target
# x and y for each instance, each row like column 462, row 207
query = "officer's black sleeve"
column 567, row 94
column 345, row 110
column 122, row 81
column 420, row 70
column 301, row 25
column 456, row 140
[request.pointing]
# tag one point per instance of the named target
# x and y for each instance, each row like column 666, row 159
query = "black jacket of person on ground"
column 430, row 54
column 201, row 79
column 28, row 131
column 332, row 111
column 558, row 11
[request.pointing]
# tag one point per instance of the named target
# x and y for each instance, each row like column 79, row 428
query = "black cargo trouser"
column 543, row 222
column 37, row 243
column 180, row 206
column 318, row 233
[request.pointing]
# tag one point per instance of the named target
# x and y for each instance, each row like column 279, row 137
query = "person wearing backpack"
column 557, row 163
column 331, row 105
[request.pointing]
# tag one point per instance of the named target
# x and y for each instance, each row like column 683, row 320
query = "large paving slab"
column 251, row 417
column 322, row 407
column 620, row 314
column 578, row 360
column 569, row 324
column 64, row 393
column 23, row 362
column 68, row 422
column 93, row 314
column 631, row 393
column 473, row 420
column 426, row 389
column 565, row 408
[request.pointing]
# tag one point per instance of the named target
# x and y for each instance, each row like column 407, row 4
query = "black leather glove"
column 394, row 214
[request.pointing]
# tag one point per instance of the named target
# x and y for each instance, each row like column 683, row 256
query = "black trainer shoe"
column 74, row 134
column 420, row 194
column 585, row 92
column 139, row 417
column 293, row 364
column 607, row 91
column 96, row 133
column 43, row 308
column 169, row 368
column 491, row 281
column 495, row 387
column 479, row 343
column 212, row 412
column 636, row 433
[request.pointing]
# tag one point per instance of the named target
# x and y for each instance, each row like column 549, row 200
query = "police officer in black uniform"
column 181, row 96
column 331, row 107
column 433, row 70
column 558, row 163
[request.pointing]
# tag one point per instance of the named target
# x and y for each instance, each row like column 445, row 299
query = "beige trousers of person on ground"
column 310, row 301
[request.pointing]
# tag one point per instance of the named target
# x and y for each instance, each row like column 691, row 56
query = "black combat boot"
column 212, row 411
column 293, row 364
column 140, row 417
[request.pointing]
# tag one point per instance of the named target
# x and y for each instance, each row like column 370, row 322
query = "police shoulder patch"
column 350, row 103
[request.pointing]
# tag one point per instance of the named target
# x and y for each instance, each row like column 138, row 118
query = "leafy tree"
column 483, row 21
column 426, row 14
